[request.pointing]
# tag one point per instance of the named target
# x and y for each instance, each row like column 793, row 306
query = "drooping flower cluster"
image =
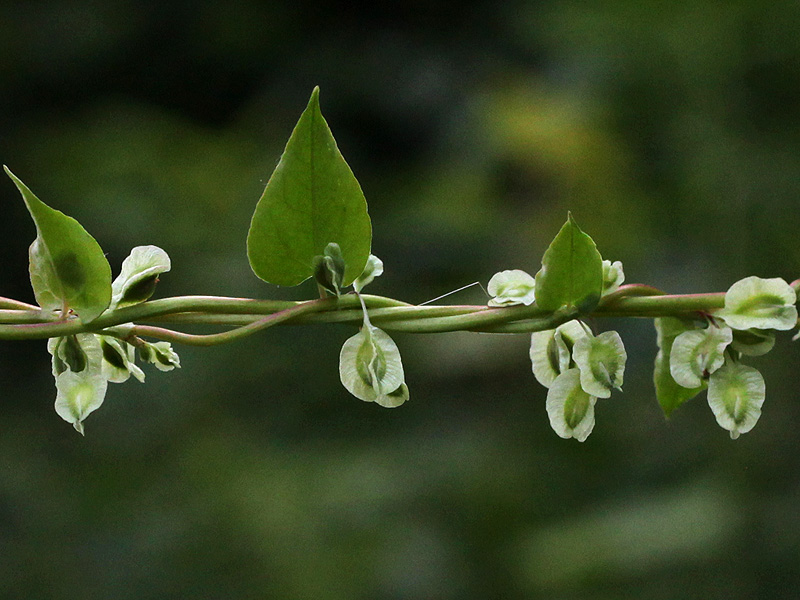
column 85, row 363
column 708, row 355
column 576, row 366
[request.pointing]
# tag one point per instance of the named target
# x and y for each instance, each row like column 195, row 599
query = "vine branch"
column 246, row 316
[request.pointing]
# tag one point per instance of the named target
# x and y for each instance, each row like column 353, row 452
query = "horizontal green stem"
column 246, row 316
column 212, row 339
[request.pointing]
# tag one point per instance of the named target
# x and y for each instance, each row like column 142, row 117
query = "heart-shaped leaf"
column 311, row 200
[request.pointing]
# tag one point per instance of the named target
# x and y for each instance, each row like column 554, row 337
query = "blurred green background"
column 671, row 130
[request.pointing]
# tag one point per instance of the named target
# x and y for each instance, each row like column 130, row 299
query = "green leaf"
column 601, row 361
column 370, row 368
column 670, row 395
column 755, row 303
column 697, row 354
column 736, row 393
column 569, row 407
column 311, row 200
column 511, row 287
column 67, row 266
column 138, row 277
column 572, row 271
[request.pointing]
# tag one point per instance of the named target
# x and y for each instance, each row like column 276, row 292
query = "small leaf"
column 613, row 276
column 511, row 287
column 601, row 361
column 551, row 350
column 311, row 200
column 569, row 407
column 572, row 271
column 670, row 395
column 373, row 269
column 67, row 266
column 736, row 393
column 370, row 368
column 138, row 277
column 755, row 303
column 753, row 342
column 697, row 354
column 79, row 394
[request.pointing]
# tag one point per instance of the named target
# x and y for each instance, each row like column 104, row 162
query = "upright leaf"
column 670, row 395
column 572, row 271
column 67, row 266
column 311, row 200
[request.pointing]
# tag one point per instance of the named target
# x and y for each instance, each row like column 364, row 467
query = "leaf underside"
column 67, row 266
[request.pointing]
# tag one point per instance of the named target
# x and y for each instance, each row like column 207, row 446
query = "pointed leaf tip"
column 68, row 268
column 572, row 271
column 311, row 200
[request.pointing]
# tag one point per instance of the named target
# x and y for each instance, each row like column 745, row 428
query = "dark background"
column 671, row 132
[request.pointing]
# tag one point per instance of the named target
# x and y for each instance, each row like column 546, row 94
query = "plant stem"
column 23, row 321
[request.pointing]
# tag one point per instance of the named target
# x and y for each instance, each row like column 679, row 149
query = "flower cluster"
column 85, row 363
column 708, row 354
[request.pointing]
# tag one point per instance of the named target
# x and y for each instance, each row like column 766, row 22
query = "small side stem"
column 213, row 339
